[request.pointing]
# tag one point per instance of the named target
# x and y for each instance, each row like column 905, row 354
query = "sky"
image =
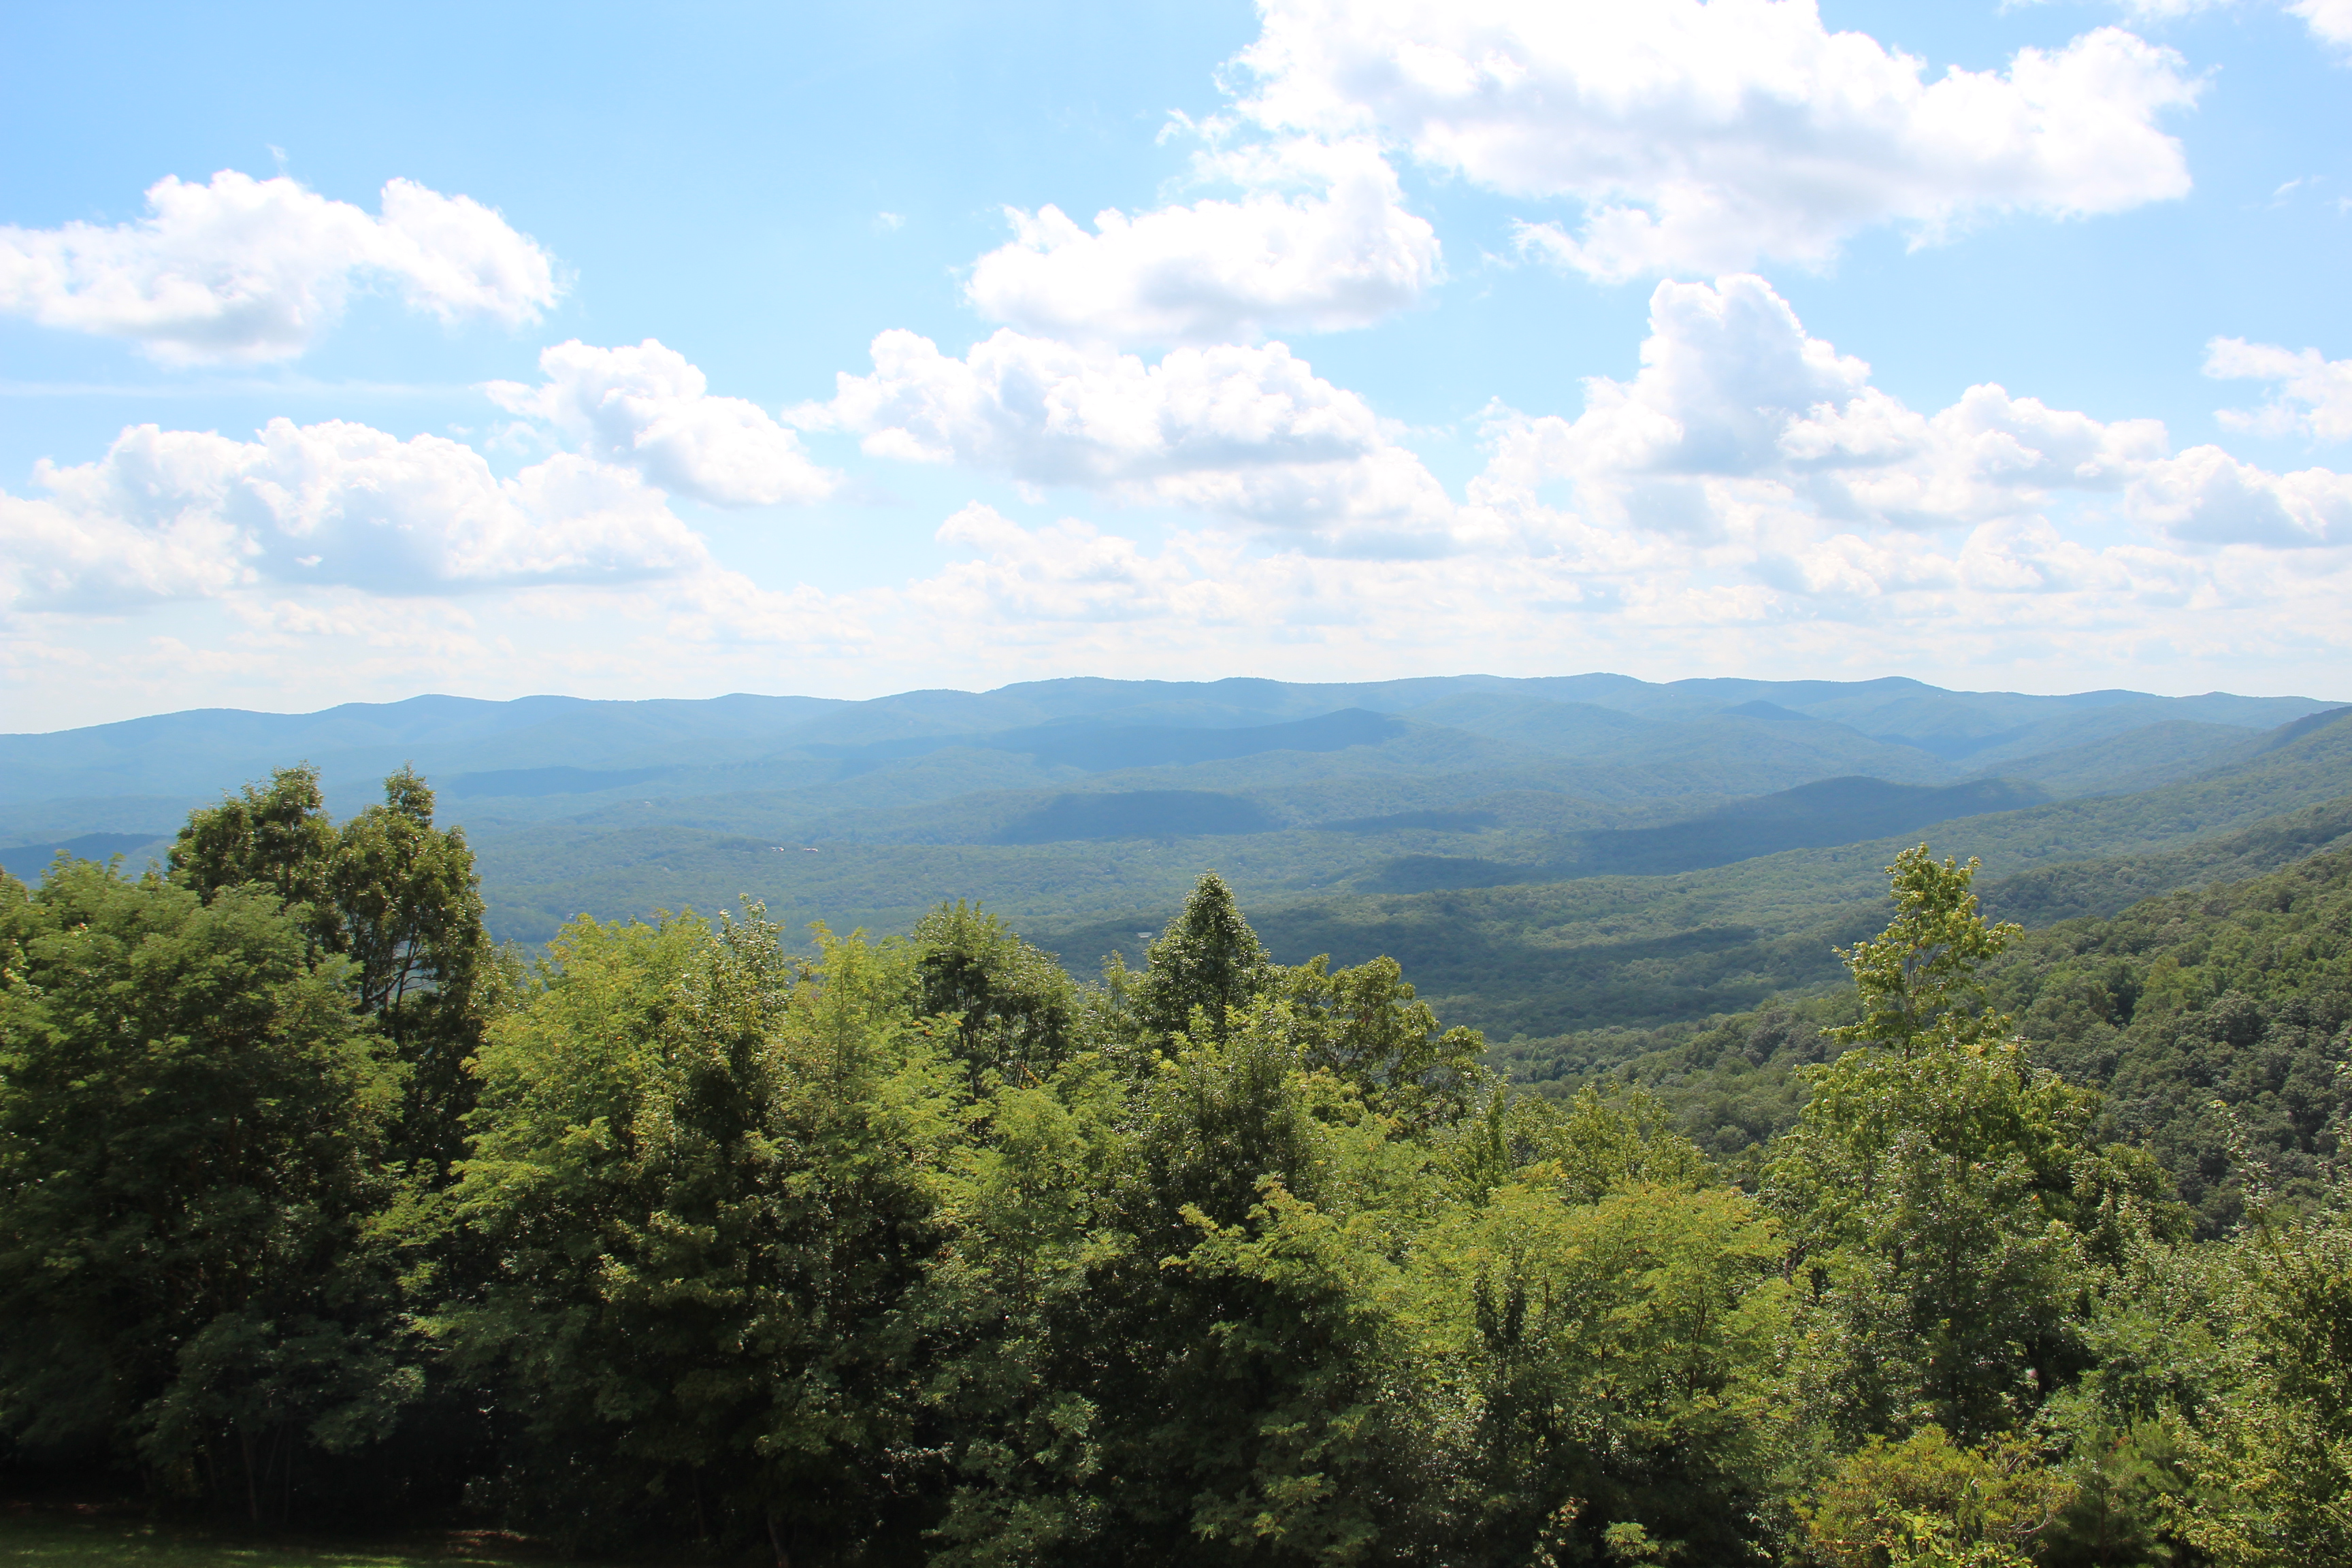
column 351, row 353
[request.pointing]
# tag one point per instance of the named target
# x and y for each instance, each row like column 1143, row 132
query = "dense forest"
column 315, row 1203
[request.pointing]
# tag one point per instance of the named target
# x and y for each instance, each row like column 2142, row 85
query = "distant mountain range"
column 1544, row 854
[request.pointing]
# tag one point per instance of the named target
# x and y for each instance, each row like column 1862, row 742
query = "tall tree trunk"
column 776, row 1539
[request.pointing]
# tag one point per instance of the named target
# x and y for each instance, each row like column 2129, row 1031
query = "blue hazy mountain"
column 1542, row 851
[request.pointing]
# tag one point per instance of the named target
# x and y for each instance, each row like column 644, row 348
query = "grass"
column 95, row 1539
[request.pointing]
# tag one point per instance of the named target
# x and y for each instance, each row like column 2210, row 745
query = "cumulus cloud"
column 2311, row 395
column 1250, row 432
column 1748, row 501
column 2330, row 21
column 1737, row 413
column 1709, row 137
column 245, row 270
column 175, row 514
column 649, row 409
column 1320, row 241
column 2206, row 496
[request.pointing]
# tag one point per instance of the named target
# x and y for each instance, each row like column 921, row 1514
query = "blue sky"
column 617, row 352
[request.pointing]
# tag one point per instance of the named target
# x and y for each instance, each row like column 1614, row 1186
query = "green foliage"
column 1929, row 1502
column 922, row 1251
column 1617, row 1352
column 1207, row 962
column 2271, row 1451
column 278, row 837
column 390, row 892
column 1366, row 1027
column 2212, row 1021
column 710, row 1183
column 1946, row 1193
column 192, row 1121
column 1916, row 977
column 1015, row 1008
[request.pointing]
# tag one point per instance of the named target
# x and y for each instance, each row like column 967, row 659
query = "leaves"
column 192, row 1125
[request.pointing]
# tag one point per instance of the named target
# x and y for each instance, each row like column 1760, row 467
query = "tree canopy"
column 918, row 1250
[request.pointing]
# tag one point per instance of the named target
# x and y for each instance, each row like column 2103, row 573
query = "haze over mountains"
column 1544, row 854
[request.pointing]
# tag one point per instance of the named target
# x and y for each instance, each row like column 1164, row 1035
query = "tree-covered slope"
column 1530, row 956
column 2216, row 1020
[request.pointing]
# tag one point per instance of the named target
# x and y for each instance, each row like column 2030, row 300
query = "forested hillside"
column 2216, row 1022
column 317, row 1205
column 1083, row 808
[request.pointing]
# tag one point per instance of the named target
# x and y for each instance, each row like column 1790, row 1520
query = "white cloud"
column 246, row 270
column 1320, row 241
column 2206, row 496
column 1747, row 502
column 1738, row 414
column 1782, row 594
column 1737, row 407
column 2313, row 395
column 648, row 408
column 181, row 514
column 1709, row 137
column 1248, row 432
column 2330, row 21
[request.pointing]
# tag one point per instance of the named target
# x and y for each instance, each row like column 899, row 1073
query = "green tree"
column 1365, row 1026
column 1207, row 960
column 709, row 1183
column 192, row 1126
column 2273, row 1448
column 1013, row 1301
column 388, row 890
column 1261, row 1394
column 1917, row 978
column 1619, row 1343
column 1015, row 1008
column 1928, row 1502
column 1942, row 1191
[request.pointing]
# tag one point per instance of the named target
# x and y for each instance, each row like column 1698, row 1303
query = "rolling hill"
column 1545, row 855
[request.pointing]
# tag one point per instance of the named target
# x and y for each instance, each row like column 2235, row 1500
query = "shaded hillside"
column 1810, row 816
column 28, row 861
column 2215, row 1018
column 1543, row 959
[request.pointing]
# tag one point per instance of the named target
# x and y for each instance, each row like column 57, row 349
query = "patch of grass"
column 98, row 1539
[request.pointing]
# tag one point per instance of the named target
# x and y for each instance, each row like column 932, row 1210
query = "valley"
column 1545, row 855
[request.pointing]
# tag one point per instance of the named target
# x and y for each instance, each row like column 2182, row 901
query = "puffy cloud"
column 179, row 514
column 2330, row 21
column 244, row 270
column 2206, row 496
column 1320, row 241
column 2312, row 396
column 648, row 408
column 1249, row 432
column 1748, row 501
column 1708, row 137
column 1737, row 412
